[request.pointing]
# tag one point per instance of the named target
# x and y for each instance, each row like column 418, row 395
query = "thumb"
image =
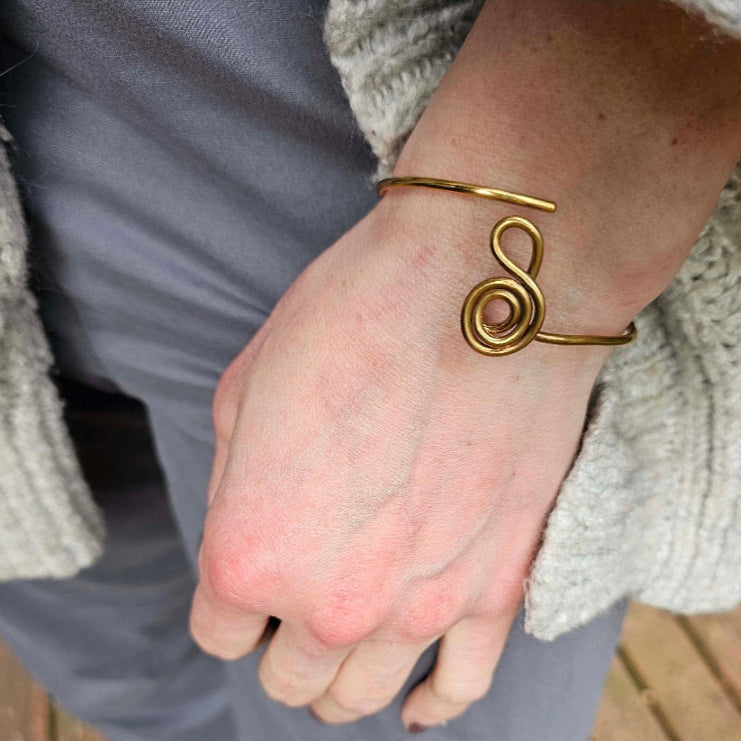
column 225, row 408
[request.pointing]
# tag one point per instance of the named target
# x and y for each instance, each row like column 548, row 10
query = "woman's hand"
column 378, row 484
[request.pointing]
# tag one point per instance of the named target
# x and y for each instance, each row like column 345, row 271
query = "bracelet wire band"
column 522, row 294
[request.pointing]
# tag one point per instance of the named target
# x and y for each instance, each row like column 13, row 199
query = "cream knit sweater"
column 651, row 507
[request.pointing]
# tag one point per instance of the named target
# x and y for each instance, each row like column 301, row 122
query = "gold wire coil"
column 522, row 294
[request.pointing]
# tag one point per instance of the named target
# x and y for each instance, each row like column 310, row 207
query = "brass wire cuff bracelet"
column 521, row 293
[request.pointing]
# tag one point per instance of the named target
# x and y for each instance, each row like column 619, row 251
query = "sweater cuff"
column 723, row 15
column 49, row 525
column 391, row 58
column 651, row 507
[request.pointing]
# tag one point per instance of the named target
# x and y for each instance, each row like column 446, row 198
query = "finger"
column 223, row 630
column 295, row 669
column 368, row 681
column 468, row 655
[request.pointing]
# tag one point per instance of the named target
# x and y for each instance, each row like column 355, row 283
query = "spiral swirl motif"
column 521, row 293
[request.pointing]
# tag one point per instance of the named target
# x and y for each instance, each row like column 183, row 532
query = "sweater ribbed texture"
column 391, row 57
column 49, row 526
column 651, row 507
column 723, row 15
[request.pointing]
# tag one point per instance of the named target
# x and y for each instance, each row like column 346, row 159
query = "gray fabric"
column 180, row 164
column 112, row 643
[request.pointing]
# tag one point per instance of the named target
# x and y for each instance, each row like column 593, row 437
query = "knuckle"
column 416, row 630
column 209, row 646
column 428, row 616
column 312, row 649
column 503, row 598
column 355, row 704
column 237, row 568
column 341, row 620
column 202, row 631
column 222, row 570
column 450, row 695
column 337, row 633
column 293, row 683
column 282, row 690
column 460, row 692
column 280, row 686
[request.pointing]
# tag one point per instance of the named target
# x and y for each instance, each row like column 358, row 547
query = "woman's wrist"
column 453, row 232
column 634, row 158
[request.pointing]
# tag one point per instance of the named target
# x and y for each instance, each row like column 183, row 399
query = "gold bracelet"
column 522, row 294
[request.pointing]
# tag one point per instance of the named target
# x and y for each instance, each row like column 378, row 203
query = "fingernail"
column 417, row 728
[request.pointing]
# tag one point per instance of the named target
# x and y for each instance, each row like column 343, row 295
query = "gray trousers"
column 180, row 163
column 112, row 644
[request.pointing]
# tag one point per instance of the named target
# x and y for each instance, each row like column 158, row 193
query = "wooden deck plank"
column 24, row 706
column 690, row 696
column 623, row 715
column 720, row 637
column 71, row 729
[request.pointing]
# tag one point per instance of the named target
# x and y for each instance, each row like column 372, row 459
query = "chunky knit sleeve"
column 49, row 526
column 391, row 57
column 723, row 15
column 651, row 507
